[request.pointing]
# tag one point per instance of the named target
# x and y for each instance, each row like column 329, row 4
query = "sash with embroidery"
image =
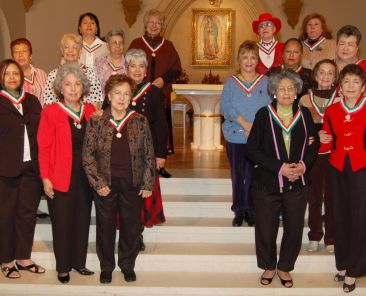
column 315, row 105
column 13, row 99
column 286, row 128
column 143, row 90
column 315, row 45
column 118, row 125
column 267, row 51
column 252, row 84
column 153, row 49
column 76, row 116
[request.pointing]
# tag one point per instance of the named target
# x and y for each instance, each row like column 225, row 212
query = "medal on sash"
column 143, row 90
column 76, row 116
column 114, row 68
column 118, row 125
column 13, row 99
column 286, row 128
column 253, row 84
column 351, row 110
column 315, row 45
column 153, row 49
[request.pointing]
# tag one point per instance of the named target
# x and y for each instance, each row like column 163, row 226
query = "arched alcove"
column 4, row 37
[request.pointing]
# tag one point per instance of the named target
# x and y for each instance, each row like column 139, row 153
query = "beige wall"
column 47, row 20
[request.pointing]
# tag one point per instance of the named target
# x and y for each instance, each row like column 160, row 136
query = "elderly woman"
column 345, row 134
column 317, row 100
column 60, row 138
column 243, row 95
column 70, row 51
column 292, row 57
column 163, row 64
column 20, row 186
column 118, row 158
column 114, row 62
column 348, row 41
column 283, row 145
column 93, row 46
column 34, row 78
column 317, row 40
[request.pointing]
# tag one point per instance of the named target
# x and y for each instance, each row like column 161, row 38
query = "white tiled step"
column 176, row 283
column 185, row 257
column 196, row 186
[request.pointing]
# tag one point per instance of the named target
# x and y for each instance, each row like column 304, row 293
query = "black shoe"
column 170, row 151
column 129, row 275
column 250, row 218
column 238, row 220
column 286, row 283
column 164, row 173
column 84, row 271
column 348, row 288
column 42, row 215
column 64, row 279
column 105, row 277
column 142, row 244
column 266, row 281
column 339, row 277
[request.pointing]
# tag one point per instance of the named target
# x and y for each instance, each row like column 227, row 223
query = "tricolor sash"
column 143, row 90
column 297, row 70
column 118, row 125
column 286, row 128
column 315, row 105
column 354, row 109
column 253, row 84
column 92, row 48
column 153, row 49
column 76, row 116
column 13, row 99
column 315, row 45
column 267, row 51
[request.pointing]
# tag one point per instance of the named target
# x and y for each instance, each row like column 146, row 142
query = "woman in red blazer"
column 60, row 139
column 345, row 136
column 19, row 180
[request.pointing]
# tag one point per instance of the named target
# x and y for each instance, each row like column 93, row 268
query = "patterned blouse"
column 104, row 68
column 95, row 94
column 36, row 83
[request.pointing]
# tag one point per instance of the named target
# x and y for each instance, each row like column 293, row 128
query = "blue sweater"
column 235, row 102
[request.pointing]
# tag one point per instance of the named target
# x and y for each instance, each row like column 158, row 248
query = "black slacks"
column 349, row 208
column 70, row 216
column 125, row 199
column 19, row 200
column 268, row 206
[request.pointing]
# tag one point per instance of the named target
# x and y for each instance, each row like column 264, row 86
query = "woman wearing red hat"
column 270, row 50
column 317, row 40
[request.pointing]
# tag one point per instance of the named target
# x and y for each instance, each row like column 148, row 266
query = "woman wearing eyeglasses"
column 283, row 145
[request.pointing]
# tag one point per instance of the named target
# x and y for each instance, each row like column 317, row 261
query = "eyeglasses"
column 265, row 25
column 116, row 43
column 75, row 46
column 157, row 24
column 288, row 89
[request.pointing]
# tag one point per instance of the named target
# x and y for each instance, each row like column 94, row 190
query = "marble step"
column 176, row 283
column 198, row 257
column 196, row 186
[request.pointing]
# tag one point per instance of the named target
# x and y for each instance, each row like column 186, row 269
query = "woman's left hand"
column 145, row 193
column 160, row 163
column 158, row 82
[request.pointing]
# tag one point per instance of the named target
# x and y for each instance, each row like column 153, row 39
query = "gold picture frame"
column 212, row 36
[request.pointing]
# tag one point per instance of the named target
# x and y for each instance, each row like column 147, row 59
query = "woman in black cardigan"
column 283, row 145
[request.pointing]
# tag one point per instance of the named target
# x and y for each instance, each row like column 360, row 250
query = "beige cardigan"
column 326, row 50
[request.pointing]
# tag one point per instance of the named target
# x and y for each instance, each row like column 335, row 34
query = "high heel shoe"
column 266, row 281
column 348, row 288
column 286, row 283
column 64, row 279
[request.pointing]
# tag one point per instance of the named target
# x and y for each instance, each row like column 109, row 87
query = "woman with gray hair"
column 70, row 47
column 60, row 139
column 283, row 145
column 114, row 62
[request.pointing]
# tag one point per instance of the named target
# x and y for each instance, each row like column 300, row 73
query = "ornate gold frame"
column 214, row 50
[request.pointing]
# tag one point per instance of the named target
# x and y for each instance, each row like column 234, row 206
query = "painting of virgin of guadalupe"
column 211, row 42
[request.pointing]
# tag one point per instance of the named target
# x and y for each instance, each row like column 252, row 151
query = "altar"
column 205, row 100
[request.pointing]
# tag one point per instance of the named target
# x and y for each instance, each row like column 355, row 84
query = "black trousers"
column 168, row 114
column 349, row 208
column 19, row 200
column 70, row 216
column 125, row 199
column 268, row 206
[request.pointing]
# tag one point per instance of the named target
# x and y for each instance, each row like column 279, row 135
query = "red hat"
column 266, row 17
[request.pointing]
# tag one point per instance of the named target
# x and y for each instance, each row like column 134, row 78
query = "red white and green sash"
column 118, row 125
column 14, row 99
column 76, row 116
column 350, row 110
column 315, row 45
column 297, row 70
column 143, row 90
column 359, row 61
column 153, row 49
column 252, row 86
column 91, row 49
column 266, row 50
column 286, row 128
column 315, row 105
column 114, row 68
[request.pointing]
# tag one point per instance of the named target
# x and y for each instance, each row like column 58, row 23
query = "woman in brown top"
column 119, row 161
column 317, row 100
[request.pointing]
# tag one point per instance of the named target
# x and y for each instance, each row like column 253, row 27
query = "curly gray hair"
column 135, row 54
column 70, row 68
column 115, row 32
column 275, row 79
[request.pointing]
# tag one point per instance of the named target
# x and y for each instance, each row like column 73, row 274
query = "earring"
column 274, row 96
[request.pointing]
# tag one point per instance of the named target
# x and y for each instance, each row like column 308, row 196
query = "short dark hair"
column 3, row 66
column 353, row 69
column 116, row 80
column 348, row 31
column 18, row 41
column 91, row 16
column 293, row 40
